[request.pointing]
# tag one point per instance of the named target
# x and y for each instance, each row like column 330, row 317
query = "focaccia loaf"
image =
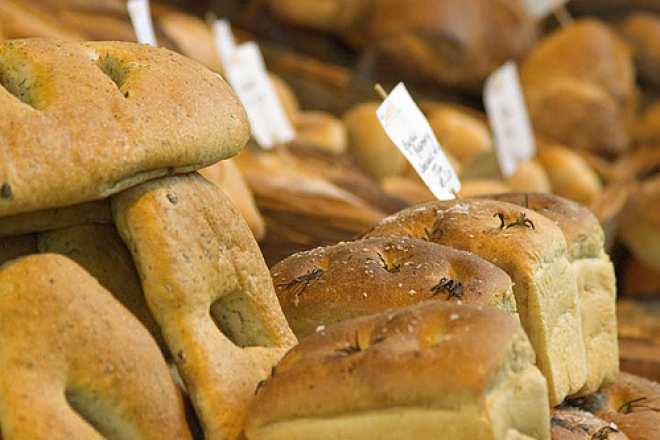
column 82, row 121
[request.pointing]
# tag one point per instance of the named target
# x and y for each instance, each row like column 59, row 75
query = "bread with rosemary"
column 430, row 370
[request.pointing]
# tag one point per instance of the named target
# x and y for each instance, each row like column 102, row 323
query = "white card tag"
column 140, row 14
column 507, row 113
column 223, row 39
column 408, row 128
column 247, row 74
column 539, row 9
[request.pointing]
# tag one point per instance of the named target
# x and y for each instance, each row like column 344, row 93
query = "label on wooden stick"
column 408, row 128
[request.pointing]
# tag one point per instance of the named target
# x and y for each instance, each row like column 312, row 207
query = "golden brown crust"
column 579, row 83
column 461, row 131
column 642, row 30
column 210, row 291
column 532, row 250
column 229, row 178
column 347, row 378
column 329, row 284
column 334, row 16
column 413, row 222
column 570, row 175
column 97, row 211
column 450, row 43
column 75, row 358
column 530, row 176
column 633, row 404
column 369, row 145
column 101, row 252
column 107, row 115
column 584, row 235
column 639, row 222
column 595, row 277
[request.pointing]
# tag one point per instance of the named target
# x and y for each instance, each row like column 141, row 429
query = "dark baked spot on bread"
column 172, row 198
column 642, row 403
column 453, row 288
column 5, row 191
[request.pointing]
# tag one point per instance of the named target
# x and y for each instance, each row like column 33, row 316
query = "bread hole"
column 390, row 265
column 17, row 78
column 116, row 69
column 100, row 413
column 237, row 319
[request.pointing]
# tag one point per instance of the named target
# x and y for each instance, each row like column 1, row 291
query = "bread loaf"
column 77, row 364
column 580, row 90
column 431, row 370
column 532, row 250
column 112, row 114
column 596, row 280
column 330, row 284
column 209, row 290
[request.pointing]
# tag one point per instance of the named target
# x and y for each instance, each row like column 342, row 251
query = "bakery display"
column 133, row 168
column 134, row 212
column 423, row 371
column 533, row 251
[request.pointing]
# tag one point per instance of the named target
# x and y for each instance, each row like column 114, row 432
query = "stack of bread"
column 494, row 315
column 104, row 217
column 535, row 260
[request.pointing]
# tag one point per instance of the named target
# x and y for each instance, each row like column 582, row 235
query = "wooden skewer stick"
column 563, row 16
column 381, row 91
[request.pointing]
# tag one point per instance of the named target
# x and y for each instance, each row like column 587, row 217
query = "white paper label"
column 507, row 113
column 247, row 75
column 140, row 14
column 408, row 128
column 224, row 40
column 539, row 9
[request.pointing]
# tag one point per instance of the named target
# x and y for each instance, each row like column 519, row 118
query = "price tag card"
column 223, row 39
column 246, row 72
column 507, row 113
column 408, row 128
column 140, row 14
column 539, row 9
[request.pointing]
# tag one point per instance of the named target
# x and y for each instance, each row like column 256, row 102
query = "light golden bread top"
column 70, row 350
column 82, row 121
column 414, row 222
column 518, row 239
column 430, row 355
column 584, row 234
column 334, row 283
